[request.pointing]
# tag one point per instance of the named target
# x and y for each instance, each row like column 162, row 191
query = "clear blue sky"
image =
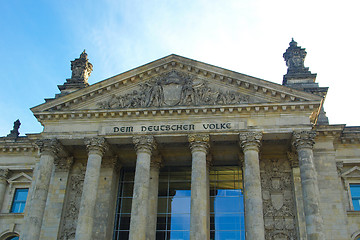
column 39, row 39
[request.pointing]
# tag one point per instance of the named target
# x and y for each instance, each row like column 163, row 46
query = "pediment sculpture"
column 173, row 89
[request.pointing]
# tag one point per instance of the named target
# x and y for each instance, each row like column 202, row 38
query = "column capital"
column 4, row 172
column 145, row 143
column 63, row 164
column 293, row 159
column 303, row 139
column 51, row 146
column 96, row 144
column 250, row 140
column 199, row 142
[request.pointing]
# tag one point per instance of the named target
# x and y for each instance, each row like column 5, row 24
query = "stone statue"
column 15, row 132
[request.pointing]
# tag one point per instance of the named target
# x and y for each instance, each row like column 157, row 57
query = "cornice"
column 172, row 62
column 350, row 135
column 350, row 139
column 25, row 145
column 287, row 107
column 329, row 130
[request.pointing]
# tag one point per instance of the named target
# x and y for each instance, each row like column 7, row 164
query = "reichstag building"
column 178, row 149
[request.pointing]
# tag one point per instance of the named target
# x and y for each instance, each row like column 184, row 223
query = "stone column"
column 144, row 145
column 49, row 150
column 153, row 197
column 298, row 197
column 199, row 229
column 254, row 219
column 303, row 141
column 56, row 199
column 96, row 148
column 3, row 177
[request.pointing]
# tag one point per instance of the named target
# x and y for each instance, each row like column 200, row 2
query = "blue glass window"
column 227, row 219
column 19, row 201
column 173, row 220
column 355, row 196
column 174, row 200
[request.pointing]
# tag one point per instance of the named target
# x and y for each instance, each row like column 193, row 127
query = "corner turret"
column 81, row 69
column 297, row 73
column 299, row 77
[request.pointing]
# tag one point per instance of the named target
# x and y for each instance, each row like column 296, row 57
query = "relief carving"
column 71, row 212
column 173, row 89
column 278, row 201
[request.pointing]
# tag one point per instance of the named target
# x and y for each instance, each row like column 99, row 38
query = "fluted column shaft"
column 153, row 197
column 96, row 148
column 49, row 150
column 254, row 219
column 303, row 142
column 199, row 229
column 144, row 146
column 3, row 177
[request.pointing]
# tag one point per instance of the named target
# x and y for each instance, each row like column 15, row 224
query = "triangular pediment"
column 354, row 172
column 20, row 178
column 176, row 82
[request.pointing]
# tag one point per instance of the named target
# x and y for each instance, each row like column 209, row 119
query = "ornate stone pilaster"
column 3, row 177
column 303, row 142
column 144, row 146
column 250, row 142
column 155, row 165
column 50, row 149
column 96, row 147
column 57, row 191
column 199, row 219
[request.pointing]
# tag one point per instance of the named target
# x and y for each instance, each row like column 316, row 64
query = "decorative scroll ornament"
column 173, row 89
column 4, row 174
column 303, row 139
column 199, row 142
column 52, row 146
column 339, row 167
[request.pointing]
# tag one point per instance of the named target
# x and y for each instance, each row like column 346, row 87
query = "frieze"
column 173, row 89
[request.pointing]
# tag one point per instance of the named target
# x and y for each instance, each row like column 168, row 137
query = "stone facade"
column 297, row 169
